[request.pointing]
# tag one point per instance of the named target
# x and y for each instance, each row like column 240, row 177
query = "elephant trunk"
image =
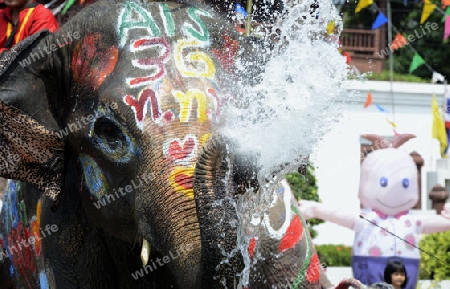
column 218, row 181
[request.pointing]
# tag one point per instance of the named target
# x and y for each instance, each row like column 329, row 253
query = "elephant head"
column 114, row 119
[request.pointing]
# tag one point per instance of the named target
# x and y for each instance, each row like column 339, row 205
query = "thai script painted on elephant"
column 66, row 40
column 156, row 64
column 147, row 178
column 147, row 22
column 10, row 161
column 30, row 239
column 204, row 67
column 76, row 125
column 151, row 265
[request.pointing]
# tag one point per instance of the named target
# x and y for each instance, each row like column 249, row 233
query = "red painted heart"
column 178, row 152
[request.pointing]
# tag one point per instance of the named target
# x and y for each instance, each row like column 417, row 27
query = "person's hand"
column 446, row 211
column 307, row 208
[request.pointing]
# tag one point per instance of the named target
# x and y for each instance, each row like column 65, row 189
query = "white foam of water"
column 287, row 114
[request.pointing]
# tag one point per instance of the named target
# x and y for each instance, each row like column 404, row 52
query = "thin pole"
column 249, row 17
column 391, row 56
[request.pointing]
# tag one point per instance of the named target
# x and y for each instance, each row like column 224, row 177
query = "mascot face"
column 388, row 181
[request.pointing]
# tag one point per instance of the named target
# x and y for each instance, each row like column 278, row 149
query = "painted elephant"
column 109, row 132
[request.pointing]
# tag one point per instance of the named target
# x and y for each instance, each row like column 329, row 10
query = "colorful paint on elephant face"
column 160, row 101
column 22, row 243
column 95, row 180
column 102, row 60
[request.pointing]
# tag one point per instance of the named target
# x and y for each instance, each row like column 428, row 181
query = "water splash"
column 282, row 118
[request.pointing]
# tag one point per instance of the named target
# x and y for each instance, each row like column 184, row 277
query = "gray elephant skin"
column 108, row 132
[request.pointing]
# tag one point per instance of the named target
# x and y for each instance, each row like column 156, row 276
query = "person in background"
column 395, row 274
column 22, row 18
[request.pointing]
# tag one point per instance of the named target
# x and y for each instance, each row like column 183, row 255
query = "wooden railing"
column 360, row 40
column 363, row 45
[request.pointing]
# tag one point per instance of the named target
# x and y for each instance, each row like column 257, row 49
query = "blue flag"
column 380, row 108
column 239, row 9
column 381, row 19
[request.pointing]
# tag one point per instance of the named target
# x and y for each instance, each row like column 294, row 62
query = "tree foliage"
column 436, row 266
column 305, row 187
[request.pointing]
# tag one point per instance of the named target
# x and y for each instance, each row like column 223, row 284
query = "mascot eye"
column 405, row 183
column 383, row 182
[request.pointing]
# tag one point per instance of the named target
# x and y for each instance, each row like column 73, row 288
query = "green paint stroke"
column 146, row 22
column 23, row 213
column 203, row 35
column 302, row 274
column 169, row 24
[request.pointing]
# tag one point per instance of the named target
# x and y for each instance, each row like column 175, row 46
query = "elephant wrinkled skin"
column 108, row 130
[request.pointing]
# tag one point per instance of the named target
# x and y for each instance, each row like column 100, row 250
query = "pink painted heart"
column 178, row 152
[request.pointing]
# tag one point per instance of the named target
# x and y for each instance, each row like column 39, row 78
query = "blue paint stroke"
column 43, row 280
column 94, row 179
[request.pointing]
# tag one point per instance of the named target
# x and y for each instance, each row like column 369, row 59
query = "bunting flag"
column 399, row 42
column 330, row 27
column 445, row 2
column 447, row 13
column 67, row 6
column 347, row 57
column 447, row 107
column 416, row 62
column 363, row 4
column 368, row 100
column 379, row 21
column 427, row 9
column 239, row 9
column 447, row 27
column 437, row 77
column 438, row 128
column 447, row 115
column 382, row 109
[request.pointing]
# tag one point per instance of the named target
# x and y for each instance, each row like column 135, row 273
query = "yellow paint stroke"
column 209, row 68
column 186, row 104
column 204, row 138
column 181, row 172
column 35, row 226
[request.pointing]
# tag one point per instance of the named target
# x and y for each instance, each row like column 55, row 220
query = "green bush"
column 335, row 255
column 305, row 187
column 435, row 267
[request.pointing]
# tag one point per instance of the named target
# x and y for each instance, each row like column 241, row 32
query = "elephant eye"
column 383, row 182
column 112, row 140
column 405, row 183
column 109, row 133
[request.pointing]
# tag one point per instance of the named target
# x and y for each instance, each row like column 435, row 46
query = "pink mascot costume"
column 388, row 190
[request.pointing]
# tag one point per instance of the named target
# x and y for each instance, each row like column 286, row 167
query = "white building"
column 337, row 160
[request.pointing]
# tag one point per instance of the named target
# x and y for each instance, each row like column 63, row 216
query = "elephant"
column 119, row 175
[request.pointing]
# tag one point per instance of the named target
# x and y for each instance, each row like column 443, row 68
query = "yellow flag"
column 362, row 4
column 330, row 27
column 426, row 11
column 438, row 129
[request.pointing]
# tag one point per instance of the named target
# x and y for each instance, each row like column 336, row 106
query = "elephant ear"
column 29, row 151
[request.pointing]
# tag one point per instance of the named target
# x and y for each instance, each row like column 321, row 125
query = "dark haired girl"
column 395, row 274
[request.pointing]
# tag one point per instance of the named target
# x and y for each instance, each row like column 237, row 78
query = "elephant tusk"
column 145, row 252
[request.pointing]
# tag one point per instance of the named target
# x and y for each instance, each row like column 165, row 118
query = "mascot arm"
column 310, row 210
column 435, row 224
column 446, row 211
